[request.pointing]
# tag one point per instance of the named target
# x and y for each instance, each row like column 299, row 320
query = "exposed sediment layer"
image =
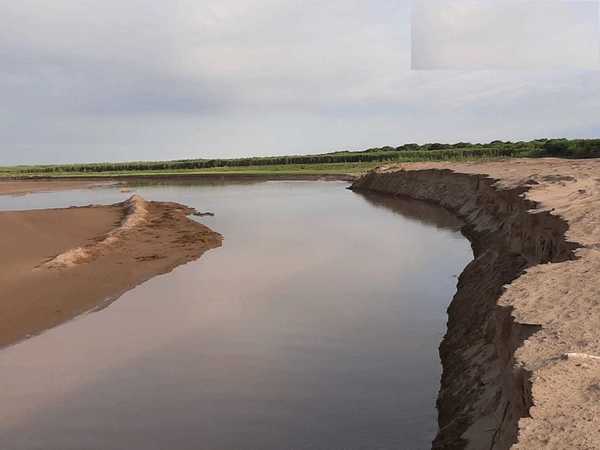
column 62, row 262
column 520, row 358
column 135, row 213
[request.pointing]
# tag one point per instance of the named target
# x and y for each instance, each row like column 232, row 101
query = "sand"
column 22, row 187
column 57, row 264
column 525, row 370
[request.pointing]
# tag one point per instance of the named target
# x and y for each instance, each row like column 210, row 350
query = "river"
column 314, row 327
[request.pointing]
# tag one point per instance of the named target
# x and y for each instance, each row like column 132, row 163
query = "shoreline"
column 519, row 356
column 17, row 186
column 60, row 263
column 127, row 177
column 24, row 186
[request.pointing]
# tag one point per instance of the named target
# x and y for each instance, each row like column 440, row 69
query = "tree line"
column 574, row 148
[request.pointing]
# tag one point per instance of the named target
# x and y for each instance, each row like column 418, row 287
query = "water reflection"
column 421, row 211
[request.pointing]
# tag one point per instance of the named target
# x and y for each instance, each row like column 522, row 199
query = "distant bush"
column 408, row 147
column 564, row 148
column 438, row 146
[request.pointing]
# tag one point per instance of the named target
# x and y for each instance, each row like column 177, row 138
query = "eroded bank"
column 519, row 364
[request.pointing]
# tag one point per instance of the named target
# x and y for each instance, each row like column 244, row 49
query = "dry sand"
column 557, row 304
column 57, row 264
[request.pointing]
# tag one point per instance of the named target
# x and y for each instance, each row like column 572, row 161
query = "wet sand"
column 59, row 263
column 31, row 185
column 22, row 187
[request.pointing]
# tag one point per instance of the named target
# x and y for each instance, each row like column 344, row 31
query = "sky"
column 117, row 80
column 513, row 34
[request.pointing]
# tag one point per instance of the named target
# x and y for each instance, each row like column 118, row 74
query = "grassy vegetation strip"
column 331, row 163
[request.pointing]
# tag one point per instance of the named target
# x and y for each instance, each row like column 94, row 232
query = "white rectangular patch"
column 505, row 34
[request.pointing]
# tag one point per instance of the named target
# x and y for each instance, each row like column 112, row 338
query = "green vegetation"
column 568, row 148
column 327, row 163
column 283, row 169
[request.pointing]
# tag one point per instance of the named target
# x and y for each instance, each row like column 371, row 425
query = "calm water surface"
column 314, row 327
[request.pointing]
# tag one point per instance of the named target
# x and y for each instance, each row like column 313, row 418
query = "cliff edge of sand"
column 521, row 356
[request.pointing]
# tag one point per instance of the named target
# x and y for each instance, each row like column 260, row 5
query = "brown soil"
column 521, row 357
column 59, row 263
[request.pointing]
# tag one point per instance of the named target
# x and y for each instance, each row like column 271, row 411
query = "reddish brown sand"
column 57, row 264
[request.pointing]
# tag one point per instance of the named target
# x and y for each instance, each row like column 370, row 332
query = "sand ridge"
column 60, row 263
column 135, row 213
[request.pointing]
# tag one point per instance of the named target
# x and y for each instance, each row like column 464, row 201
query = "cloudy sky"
column 506, row 34
column 88, row 80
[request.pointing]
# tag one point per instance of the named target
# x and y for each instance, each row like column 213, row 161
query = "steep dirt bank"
column 521, row 363
column 59, row 263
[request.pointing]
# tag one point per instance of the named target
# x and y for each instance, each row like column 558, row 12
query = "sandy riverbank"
column 521, row 357
column 15, row 186
column 22, row 187
column 59, row 263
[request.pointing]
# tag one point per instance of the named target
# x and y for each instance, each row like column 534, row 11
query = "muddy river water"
column 314, row 327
